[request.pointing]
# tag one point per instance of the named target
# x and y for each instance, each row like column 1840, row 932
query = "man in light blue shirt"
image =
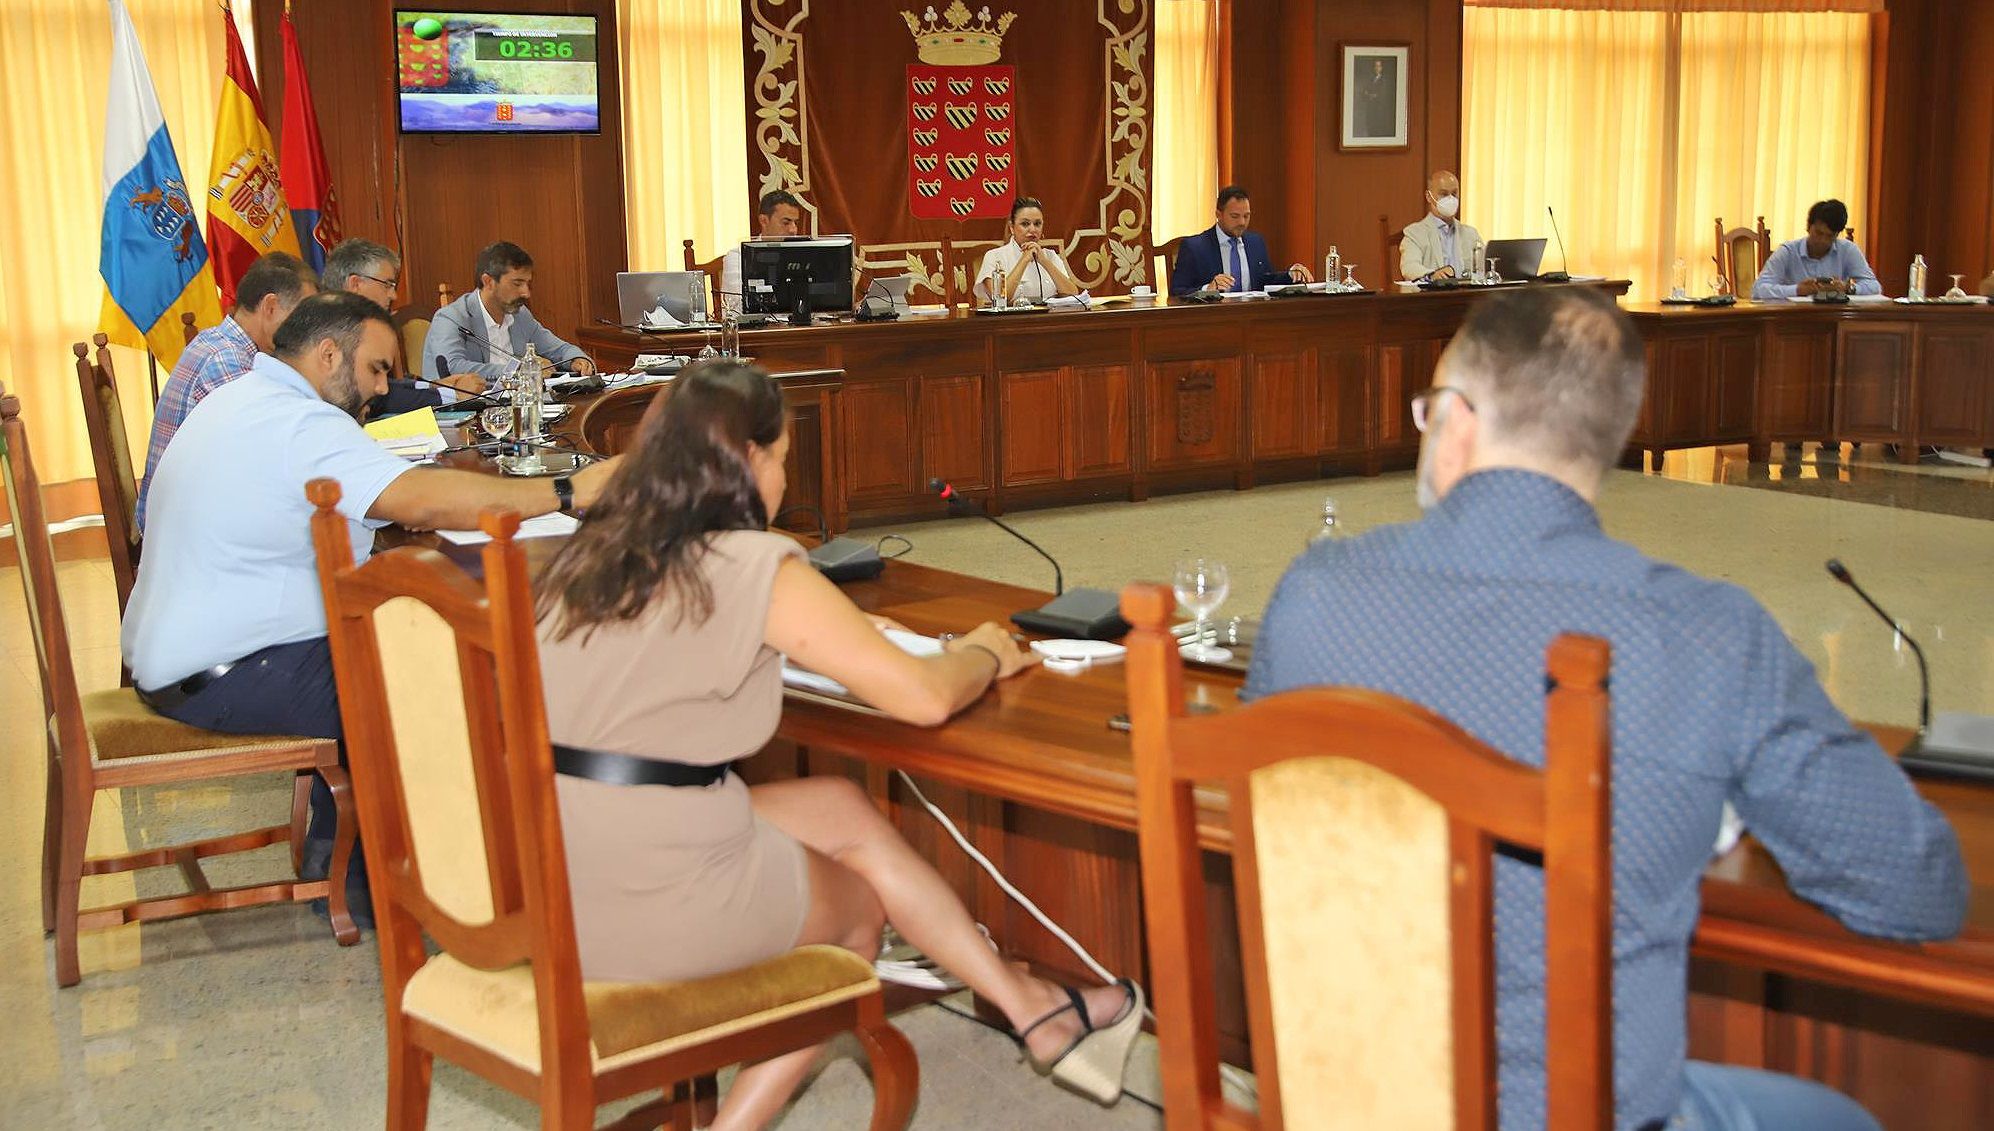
column 1823, row 261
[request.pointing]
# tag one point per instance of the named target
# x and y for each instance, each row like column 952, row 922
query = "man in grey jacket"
column 485, row 331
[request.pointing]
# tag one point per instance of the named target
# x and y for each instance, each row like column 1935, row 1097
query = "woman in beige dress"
column 664, row 622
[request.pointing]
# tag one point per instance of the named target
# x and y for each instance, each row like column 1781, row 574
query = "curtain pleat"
column 685, row 149
column 1185, row 154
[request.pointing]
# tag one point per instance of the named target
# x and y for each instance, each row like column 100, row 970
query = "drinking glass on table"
column 1350, row 277
column 1201, row 585
column 1957, row 292
column 1495, row 276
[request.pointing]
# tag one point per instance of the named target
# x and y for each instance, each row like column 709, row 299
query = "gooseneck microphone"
column 1564, row 260
column 1841, row 573
column 959, row 505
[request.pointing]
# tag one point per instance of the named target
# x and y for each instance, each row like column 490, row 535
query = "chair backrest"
column 960, row 260
column 1742, row 254
column 1362, row 827
column 712, row 269
column 446, row 732
column 1163, row 257
column 60, row 696
column 1390, row 239
column 111, row 452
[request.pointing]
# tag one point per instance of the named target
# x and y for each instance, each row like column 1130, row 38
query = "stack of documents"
column 553, row 524
column 410, row 435
column 803, row 679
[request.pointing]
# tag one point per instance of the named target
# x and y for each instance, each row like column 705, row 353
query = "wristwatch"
column 564, row 491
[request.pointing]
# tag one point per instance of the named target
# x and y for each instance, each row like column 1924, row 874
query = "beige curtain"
column 1865, row 6
column 51, row 194
column 1185, row 161
column 685, row 157
column 1643, row 127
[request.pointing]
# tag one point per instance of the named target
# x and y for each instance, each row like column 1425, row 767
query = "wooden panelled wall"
column 440, row 198
column 1932, row 177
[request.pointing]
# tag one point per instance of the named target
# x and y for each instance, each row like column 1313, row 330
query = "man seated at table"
column 1823, row 260
column 226, row 629
column 373, row 271
column 264, row 296
column 1228, row 256
column 1532, row 403
column 1438, row 245
column 779, row 215
column 487, row 331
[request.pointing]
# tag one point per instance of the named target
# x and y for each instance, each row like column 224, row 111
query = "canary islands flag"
column 154, row 264
column 247, row 216
column 307, row 177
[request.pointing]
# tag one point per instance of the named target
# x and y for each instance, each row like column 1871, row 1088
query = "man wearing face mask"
column 226, row 629
column 1438, row 245
column 1532, row 403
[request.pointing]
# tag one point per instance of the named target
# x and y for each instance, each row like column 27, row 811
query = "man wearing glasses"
column 1533, row 402
column 374, row 272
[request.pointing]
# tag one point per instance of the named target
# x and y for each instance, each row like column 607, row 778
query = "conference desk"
column 1038, row 781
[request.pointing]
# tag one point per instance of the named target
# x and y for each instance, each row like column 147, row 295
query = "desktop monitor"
column 798, row 276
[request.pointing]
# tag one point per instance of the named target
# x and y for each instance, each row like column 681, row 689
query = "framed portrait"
column 1374, row 96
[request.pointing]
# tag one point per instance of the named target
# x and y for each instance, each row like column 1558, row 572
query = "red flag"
column 307, row 177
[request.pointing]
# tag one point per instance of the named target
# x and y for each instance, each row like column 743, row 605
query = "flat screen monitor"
column 807, row 273
column 496, row 72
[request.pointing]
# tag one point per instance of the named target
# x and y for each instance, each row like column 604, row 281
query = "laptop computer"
column 640, row 292
column 1516, row 259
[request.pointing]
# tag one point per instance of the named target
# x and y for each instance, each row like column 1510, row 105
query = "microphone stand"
column 1083, row 614
column 1563, row 259
column 1841, row 573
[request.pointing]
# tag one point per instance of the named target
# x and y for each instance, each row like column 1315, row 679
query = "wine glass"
column 1349, row 284
column 707, row 350
column 496, row 421
column 1957, row 292
column 1495, row 276
column 1201, row 585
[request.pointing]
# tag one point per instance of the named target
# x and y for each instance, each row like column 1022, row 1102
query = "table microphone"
column 1841, row 573
column 1563, row 259
column 1084, row 614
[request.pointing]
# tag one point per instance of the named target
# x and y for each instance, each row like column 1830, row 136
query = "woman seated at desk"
column 1028, row 271
column 663, row 627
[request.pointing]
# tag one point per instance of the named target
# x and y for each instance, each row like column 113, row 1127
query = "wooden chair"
column 1742, row 254
column 1390, row 240
column 713, row 268
column 1362, row 828
column 464, row 845
column 111, row 452
column 960, row 260
column 1163, row 259
column 109, row 739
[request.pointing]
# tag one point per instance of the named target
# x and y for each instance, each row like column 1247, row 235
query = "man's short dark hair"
column 1558, row 371
column 1833, row 213
column 1229, row 194
column 279, row 273
column 339, row 315
column 496, row 259
column 774, row 200
column 357, row 257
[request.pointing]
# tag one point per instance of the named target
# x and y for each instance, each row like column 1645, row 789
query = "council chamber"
column 800, row 564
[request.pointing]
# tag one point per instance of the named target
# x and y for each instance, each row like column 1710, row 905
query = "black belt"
column 628, row 769
column 175, row 695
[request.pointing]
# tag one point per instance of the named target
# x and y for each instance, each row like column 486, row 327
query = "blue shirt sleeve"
column 330, row 444
column 1855, row 265
column 1839, row 816
column 1775, row 279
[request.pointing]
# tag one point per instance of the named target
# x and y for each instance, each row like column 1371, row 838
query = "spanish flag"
column 154, row 264
column 247, row 216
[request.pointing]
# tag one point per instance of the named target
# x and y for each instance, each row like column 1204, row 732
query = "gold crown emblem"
column 952, row 40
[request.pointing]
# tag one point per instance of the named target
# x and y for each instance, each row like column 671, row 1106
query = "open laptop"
column 1516, row 259
column 640, row 292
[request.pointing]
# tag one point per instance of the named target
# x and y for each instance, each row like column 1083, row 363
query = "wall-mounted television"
column 496, row 72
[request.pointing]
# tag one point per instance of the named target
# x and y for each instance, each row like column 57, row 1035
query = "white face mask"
column 1447, row 207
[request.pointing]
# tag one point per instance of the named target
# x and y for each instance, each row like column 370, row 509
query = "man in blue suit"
column 1229, row 257
column 484, row 331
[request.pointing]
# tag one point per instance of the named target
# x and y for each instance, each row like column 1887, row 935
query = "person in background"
column 1438, row 245
column 779, row 215
column 487, row 330
column 1025, row 269
column 664, row 626
column 373, row 271
column 268, row 292
column 1823, row 260
column 1533, row 402
column 1230, row 257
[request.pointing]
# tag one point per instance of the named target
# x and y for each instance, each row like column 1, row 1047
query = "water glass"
column 1201, row 585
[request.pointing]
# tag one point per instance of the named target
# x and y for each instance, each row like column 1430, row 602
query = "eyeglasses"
column 1422, row 404
column 391, row 284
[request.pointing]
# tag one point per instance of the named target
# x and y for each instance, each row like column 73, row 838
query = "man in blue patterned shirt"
column 271, row 288
column 1711, row 703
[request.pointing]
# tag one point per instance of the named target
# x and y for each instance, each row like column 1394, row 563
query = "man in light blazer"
column 1438, row 245
column 464, row 332
column 1228, row 257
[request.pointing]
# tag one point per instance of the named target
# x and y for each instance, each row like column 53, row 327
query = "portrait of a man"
column 1374, row 97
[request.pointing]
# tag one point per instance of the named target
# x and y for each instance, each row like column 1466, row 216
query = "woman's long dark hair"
column 685, row 478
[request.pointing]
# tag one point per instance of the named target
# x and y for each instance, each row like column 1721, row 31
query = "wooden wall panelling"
column 1873, row 364
column 1932, row 166
column 1955, row 405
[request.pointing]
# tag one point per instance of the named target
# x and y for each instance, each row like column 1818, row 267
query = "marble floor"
column 255, row 1019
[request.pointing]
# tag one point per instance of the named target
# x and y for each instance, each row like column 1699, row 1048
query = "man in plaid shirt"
column 271, row 288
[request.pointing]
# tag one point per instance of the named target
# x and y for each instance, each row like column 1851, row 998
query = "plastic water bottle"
column 527, row 389
column 1330, row 527
column 695, row 296
column 997, row 301
column 1917, row 278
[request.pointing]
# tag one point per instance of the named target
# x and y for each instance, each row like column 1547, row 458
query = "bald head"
column 1443, row 195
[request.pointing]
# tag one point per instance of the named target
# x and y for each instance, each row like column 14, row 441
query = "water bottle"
column 997, row 301
column 526, row 392
column 695, row 299
column 1917, row 278
column 1330, row 528
column 1332, row 266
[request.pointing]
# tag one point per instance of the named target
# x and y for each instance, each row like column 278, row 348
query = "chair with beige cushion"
column 464, row 846
column 111, row 451
column 109, row 739
column 1163, row 258
column 714, row 269
column 960, row 261
column 1361, row 829
column 1741, row 255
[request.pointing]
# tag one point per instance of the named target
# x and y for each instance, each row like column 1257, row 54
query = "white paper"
column 912, row 643
column 553, row 524
column 660, row 319
column 1080, row 301
column 414, row 447
column 1237, row 296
